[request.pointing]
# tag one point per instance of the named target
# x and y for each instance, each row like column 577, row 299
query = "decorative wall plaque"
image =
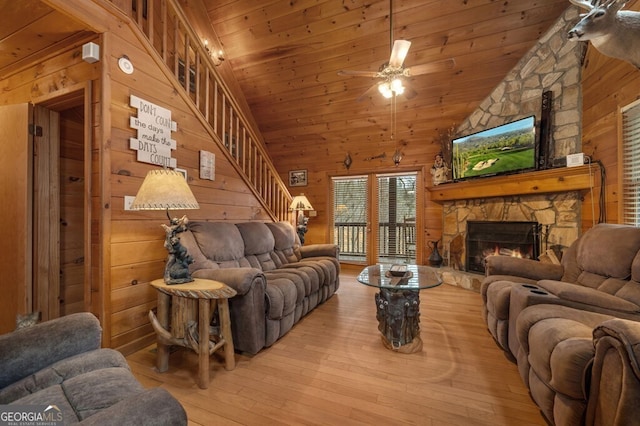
column 154, row 126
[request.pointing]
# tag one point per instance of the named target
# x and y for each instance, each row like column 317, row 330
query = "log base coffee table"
column 398, row 303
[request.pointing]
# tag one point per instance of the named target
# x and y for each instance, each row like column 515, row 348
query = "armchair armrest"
column 586, row 297
column 526, row 268
column 239, row 279
column 615, row 379
column 152, row 407
column 317, row 250
column 627, row 334
column 247, row 307
column 25, row 351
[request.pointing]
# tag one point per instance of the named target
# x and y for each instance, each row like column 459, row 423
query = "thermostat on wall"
column 574, row 160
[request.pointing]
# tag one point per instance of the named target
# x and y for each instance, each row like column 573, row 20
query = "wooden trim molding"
column 539, row 182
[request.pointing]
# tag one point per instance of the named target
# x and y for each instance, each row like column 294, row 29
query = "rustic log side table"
column 185, row 313
column 398, row 303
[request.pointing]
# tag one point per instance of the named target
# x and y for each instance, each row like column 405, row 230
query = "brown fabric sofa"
column 277, row 280
column 546, row 316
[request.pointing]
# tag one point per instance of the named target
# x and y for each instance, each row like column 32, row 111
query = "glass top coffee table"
column 398, row 302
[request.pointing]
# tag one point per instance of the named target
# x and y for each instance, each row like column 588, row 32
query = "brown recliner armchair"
column 600, row 272
column 581, row 368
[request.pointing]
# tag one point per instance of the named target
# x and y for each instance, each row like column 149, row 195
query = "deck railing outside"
column 168, row 31
column 395, row 241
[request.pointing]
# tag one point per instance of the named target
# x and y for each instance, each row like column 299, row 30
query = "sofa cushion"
column 609, row 250
column 262, row 261
column 283, row 234
column 62, row 371
column 218, row 241
column 257, row 237
column 87, row 393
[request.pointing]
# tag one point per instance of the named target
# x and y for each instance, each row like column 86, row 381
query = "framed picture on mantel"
column 297, row 178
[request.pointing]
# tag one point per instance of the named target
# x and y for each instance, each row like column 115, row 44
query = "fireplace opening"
column 487, row 238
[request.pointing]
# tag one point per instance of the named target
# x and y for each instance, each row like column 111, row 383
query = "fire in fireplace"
column 487, row 238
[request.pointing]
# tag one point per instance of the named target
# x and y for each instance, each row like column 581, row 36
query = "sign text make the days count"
column 154, row 126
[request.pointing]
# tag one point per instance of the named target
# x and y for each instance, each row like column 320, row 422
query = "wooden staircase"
column 170, row 39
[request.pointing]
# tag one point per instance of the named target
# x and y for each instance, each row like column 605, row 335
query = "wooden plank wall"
column 136, row 240
column 608, row 85
column 127, row 250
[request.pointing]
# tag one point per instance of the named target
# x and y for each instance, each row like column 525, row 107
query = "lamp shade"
column 300, row 202
column 164, row 189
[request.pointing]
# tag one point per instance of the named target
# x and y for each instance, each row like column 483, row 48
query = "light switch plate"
column 128, row 200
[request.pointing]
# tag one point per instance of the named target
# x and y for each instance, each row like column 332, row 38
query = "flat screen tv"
column 508, row 148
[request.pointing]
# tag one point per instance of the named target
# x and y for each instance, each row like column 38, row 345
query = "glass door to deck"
column 374, row 218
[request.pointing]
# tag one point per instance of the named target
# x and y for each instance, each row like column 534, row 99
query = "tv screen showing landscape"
column 508, row 148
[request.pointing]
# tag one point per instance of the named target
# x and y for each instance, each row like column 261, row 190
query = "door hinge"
column 35, row 130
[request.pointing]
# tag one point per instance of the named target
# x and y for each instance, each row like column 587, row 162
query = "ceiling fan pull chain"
column 390, row 25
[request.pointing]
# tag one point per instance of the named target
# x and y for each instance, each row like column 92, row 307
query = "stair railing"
column 168, row 32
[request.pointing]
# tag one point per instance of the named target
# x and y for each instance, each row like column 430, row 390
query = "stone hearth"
column 557, row 213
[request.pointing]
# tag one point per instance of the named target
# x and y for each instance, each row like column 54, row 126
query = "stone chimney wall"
column 553, row 64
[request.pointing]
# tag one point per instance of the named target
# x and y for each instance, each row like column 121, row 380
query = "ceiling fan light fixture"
column 396, row 86
column 385, row 90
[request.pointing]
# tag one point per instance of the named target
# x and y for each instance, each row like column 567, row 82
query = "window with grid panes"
column 631, row 164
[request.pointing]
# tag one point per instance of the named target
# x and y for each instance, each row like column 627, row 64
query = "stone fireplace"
column 557, row 214
column 488, row 238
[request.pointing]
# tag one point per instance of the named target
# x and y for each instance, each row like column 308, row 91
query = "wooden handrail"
column 169, row 34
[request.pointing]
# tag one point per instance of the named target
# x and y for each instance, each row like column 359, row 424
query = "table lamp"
column 163, row 190
column 300, row 203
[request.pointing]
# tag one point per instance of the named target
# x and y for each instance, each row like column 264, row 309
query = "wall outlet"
column 574, row 160
column 128, row 200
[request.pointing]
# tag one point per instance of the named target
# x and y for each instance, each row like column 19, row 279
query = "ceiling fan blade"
column 409, row 92
column 371, row 74
column 429, row 68
column 370, row 91
column 399, row 52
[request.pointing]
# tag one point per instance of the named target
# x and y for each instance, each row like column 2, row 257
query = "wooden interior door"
column 15, row 214
column 46, row 212
column 29, row 195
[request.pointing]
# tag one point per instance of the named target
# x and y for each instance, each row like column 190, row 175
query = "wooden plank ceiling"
column 30, row 30
column 286, row 56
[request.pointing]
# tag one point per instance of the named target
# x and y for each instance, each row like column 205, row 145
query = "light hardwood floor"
column 332, row 369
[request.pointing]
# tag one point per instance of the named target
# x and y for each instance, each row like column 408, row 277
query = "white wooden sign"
column 153, row 142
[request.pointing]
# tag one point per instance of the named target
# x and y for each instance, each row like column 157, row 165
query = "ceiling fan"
column 391, row 75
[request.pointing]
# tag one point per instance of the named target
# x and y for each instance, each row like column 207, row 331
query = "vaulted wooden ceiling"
column 286, row 55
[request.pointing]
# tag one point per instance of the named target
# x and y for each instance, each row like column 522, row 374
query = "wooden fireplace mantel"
column 562, row 179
